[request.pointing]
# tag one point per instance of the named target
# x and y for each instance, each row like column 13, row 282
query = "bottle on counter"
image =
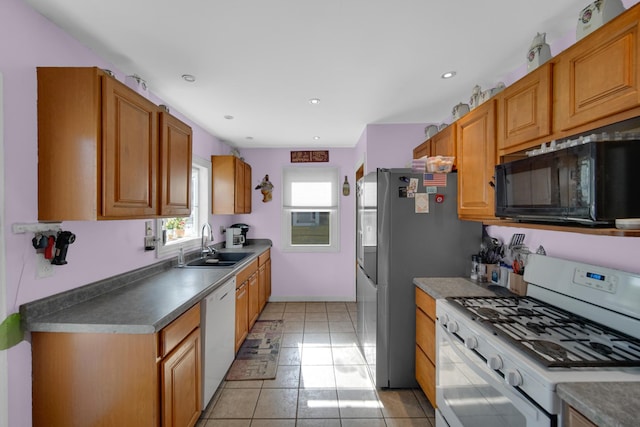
column 475, row 263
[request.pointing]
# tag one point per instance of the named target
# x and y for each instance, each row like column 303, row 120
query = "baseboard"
column 307, row 298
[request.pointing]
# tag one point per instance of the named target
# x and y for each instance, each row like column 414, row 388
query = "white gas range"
column 500, row 358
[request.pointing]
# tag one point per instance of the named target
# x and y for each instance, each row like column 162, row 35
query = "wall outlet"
column 44, row 268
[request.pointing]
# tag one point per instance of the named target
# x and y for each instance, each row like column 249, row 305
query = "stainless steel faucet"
column 206, row 249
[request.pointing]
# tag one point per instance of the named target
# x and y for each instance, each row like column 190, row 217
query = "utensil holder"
column 517, row 285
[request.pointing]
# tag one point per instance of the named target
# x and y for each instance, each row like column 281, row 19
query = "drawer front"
column 426, row 334
column 426, row 376
column 264, row 256
column 179, row 329
column 243, row 276
column 426, row 303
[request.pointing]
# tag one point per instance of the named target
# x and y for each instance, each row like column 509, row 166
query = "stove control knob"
column 471, row 343
column 452, row 327
column 494, row 362
column 444, row 319
column 513, row 378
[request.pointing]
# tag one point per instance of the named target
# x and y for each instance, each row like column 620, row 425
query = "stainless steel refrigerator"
column 394, row 245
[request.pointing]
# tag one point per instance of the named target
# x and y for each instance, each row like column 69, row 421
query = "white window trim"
column 334, row 217
column 163, row 250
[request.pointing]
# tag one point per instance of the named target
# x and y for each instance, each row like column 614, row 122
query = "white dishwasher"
column 218, row 337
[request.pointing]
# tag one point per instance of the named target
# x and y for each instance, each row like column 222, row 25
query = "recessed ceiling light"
column 249, row 138
column 448, row 74
column 316, row 138
column 228, row 117
column 189, row 78
column 314, row 101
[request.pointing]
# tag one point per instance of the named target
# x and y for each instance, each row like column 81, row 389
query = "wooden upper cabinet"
column 175, row 171
column 476, row 158
column 444, row 143
column 247, row 187
column 422, row 150
column 230, row 183
column 524, row 110
column 600, row 75
column 129, row 152
column 99, row 150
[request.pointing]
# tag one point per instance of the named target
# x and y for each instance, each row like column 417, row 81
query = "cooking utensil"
column 516, row 240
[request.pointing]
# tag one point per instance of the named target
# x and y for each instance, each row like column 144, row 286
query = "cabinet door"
column 524, row 109
column 268, row 278
column 599, row 76
column 254, row 299
column 238, row 196
column 426, row 335
column 262, row 286
column 242, row 314
column 476, row 149
column 175, row 170
column 444, row 143
column 129, row 153
column 426, row 375
column 223, row 184
column 422, row 150
column 181, row 384
column 247, row 188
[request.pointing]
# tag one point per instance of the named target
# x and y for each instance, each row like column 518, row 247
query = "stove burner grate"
column 551, row 349
column 552, row 336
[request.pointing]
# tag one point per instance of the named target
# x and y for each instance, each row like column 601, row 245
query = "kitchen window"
column 310, row 209
column 173, row 233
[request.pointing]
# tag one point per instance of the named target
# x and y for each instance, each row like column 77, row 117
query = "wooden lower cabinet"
column 242, row 316
column 264, row 278
column 106, row 380
column 246, row 301
column 426, row 344
column 268, row 278
column 253, row 289
column 181, row 374
column 575, row 418
column 254, row 299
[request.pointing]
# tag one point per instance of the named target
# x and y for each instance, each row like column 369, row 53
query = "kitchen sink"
column 220, row 259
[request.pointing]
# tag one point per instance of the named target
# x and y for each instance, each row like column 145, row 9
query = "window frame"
column 288, row 209
column 204, row 195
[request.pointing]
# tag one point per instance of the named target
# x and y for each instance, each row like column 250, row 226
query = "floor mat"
column 257, row 359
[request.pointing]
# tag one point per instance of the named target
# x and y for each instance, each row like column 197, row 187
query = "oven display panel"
column 597, row 281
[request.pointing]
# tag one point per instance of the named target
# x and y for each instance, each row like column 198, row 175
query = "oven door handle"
column 521, row 403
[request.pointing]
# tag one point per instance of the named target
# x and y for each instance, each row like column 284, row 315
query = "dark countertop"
column 442, row 287
column 140, row 302
column 608, row 404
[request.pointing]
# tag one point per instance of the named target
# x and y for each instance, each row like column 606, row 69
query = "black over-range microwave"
column 591, row 183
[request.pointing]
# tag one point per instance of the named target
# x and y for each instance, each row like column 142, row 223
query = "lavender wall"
column 102, row 249
column 390, row 145
column 303, row 276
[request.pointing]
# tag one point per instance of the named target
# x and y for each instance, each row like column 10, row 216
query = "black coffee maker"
column 243, row 230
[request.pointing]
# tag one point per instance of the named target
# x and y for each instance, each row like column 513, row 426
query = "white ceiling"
column 260, row 61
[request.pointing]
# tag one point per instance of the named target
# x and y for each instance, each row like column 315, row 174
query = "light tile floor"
column 322, row 380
